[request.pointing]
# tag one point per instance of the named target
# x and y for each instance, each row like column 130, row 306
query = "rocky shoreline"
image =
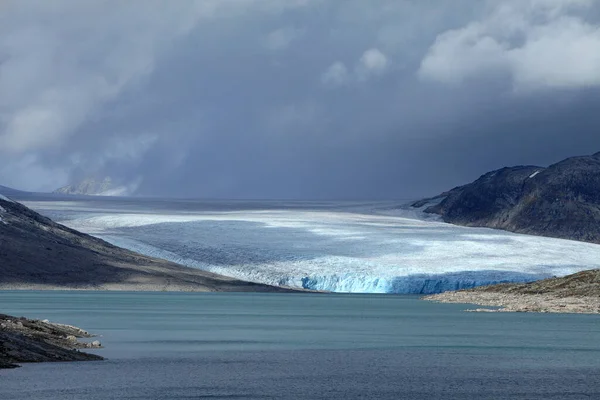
column 25, row 340
column 576, row 293
column 516, row 302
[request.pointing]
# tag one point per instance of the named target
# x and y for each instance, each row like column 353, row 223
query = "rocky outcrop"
column 24, row 340
column 581, row 284
column 562, row 200
column 577, row 293
column 37, row 253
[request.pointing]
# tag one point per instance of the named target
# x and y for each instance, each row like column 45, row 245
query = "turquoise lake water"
column 270, row 346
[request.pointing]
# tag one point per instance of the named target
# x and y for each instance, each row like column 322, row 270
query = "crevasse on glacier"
column 341, row 283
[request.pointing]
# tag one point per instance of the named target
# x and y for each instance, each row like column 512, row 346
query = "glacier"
column 366, row 248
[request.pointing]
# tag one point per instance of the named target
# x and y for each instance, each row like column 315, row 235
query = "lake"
column 306, row 346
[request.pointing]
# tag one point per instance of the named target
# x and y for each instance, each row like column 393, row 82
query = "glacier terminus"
column 337, row 247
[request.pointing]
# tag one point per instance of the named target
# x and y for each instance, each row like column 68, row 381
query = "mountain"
column 37, row 253
column 6, row 191
column 94, row 187
column 562, row 200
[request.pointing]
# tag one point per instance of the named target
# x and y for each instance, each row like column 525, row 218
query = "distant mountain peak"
column 97, row 187
column 7, row 191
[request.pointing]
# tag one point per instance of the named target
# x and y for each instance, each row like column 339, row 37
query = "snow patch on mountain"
column 3, row 211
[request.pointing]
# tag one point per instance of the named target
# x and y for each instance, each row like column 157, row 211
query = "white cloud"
column 540, row 44
column 281, row 39
column 372, row 63
column 336, row 74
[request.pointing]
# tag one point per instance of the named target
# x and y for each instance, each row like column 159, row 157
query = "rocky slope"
column 577, row 293
column 37, row 253
column 581, row 284
column 24, row 340
column 562, row 200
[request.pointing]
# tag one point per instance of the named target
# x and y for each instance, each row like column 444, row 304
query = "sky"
column 293, row 99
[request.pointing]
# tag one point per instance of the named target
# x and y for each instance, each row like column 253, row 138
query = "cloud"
column 64, row 86
column 234, row 98
column 336, row 74
column 63, row 63
column 29, row 168
column 539, row 44
column 371, row 64
column 280, row 39
column 48, row 90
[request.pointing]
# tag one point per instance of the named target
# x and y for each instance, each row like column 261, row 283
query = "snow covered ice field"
column 360, row 248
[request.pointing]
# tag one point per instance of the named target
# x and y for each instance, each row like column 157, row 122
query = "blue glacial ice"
column 335, row 250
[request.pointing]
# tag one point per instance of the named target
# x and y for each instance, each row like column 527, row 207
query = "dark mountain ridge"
column 6, row 191
column 562, row 200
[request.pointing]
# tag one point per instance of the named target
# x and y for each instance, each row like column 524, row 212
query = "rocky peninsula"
column 576, row 293
column 25, row 340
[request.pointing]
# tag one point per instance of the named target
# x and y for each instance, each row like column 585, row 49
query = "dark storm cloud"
column 293, row 99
